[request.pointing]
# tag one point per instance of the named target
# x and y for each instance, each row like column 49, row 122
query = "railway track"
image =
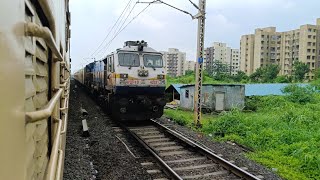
column 182, row 158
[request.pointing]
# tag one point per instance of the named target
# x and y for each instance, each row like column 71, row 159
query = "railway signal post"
column 199, row 64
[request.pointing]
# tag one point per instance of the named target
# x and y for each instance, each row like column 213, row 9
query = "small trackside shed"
column 215, row 97
column 173, row 92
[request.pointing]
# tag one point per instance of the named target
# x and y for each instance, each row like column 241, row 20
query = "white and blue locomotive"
column 130, row 81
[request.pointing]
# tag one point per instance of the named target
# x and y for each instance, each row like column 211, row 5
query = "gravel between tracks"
column 229, row 151
column 100, row 156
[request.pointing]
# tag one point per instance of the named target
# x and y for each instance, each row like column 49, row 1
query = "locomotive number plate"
column 154, row 82
column 132, row 82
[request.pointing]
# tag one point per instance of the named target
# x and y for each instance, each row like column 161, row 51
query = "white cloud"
column 219, row 21
column 147, row 21
column 164, row 27
column 218, row 4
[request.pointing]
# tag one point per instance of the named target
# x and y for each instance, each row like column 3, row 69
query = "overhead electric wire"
column 111, row 28
column 186, row 12
column 129, row 23
column 121, row 21
column 194, row 4
column 117, row 31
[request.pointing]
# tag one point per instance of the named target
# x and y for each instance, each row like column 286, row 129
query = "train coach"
column 131, row 81
column 34, row 73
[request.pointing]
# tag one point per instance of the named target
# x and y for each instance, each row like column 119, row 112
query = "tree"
column 282, row 79
column 240, row 76
column 217, row 68
column 317, row 74
column 189, row 72
column 265, row 74
column 257, row 75
column 300, row 70
column 270, row 73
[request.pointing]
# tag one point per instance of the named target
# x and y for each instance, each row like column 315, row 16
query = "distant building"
column 219, row 54
column 174, row 62
column 235, row 61
column 222, row 53
column 247, row 53
column 267, row 46
column 189, row 66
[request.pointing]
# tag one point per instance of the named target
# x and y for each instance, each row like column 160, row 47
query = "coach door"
column 219, row 101
column 109, row 70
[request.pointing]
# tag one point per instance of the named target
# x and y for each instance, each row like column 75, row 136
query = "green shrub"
column 180, row 117
column 282, row 79
column 252, row 103
column 298, row 94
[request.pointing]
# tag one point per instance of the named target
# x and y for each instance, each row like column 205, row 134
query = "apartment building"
column 247, row 53
column 267, row 46
column 221, row 53
column 175, row 61
column 208, row 58
column 235, row 61
column 189, row 66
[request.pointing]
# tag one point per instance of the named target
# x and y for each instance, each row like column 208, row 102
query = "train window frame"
column 137, row 63
column 148, row 54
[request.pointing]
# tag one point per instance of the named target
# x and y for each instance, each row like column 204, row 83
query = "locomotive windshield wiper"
column 153, row 67
column 134, row 61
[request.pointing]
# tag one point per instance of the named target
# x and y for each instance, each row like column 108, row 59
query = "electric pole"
column 199, row 63
column 200, row 48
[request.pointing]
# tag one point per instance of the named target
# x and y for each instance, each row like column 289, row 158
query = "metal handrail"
column 64, row 84
column 66, row 105
column 32, row 29
column 52, row 166
column 46, row 112
column 60, row 158
column 64, row 124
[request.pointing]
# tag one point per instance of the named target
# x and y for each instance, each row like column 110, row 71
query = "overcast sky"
column 163, row 27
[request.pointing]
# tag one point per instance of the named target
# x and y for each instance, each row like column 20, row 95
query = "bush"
column 298, row 94
column 251, row 103
column 282, row 79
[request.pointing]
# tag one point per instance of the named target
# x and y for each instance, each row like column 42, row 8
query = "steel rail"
column 150, row 149
column 226, row 164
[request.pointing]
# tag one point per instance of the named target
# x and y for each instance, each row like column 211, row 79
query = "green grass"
column 283, row 134
column 190, row 79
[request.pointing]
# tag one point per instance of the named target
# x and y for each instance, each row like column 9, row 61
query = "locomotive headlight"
column 124, row 76
column 160, row 76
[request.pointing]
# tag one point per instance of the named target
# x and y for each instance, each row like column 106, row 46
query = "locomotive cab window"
column 154, row 61
column 129, row 59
